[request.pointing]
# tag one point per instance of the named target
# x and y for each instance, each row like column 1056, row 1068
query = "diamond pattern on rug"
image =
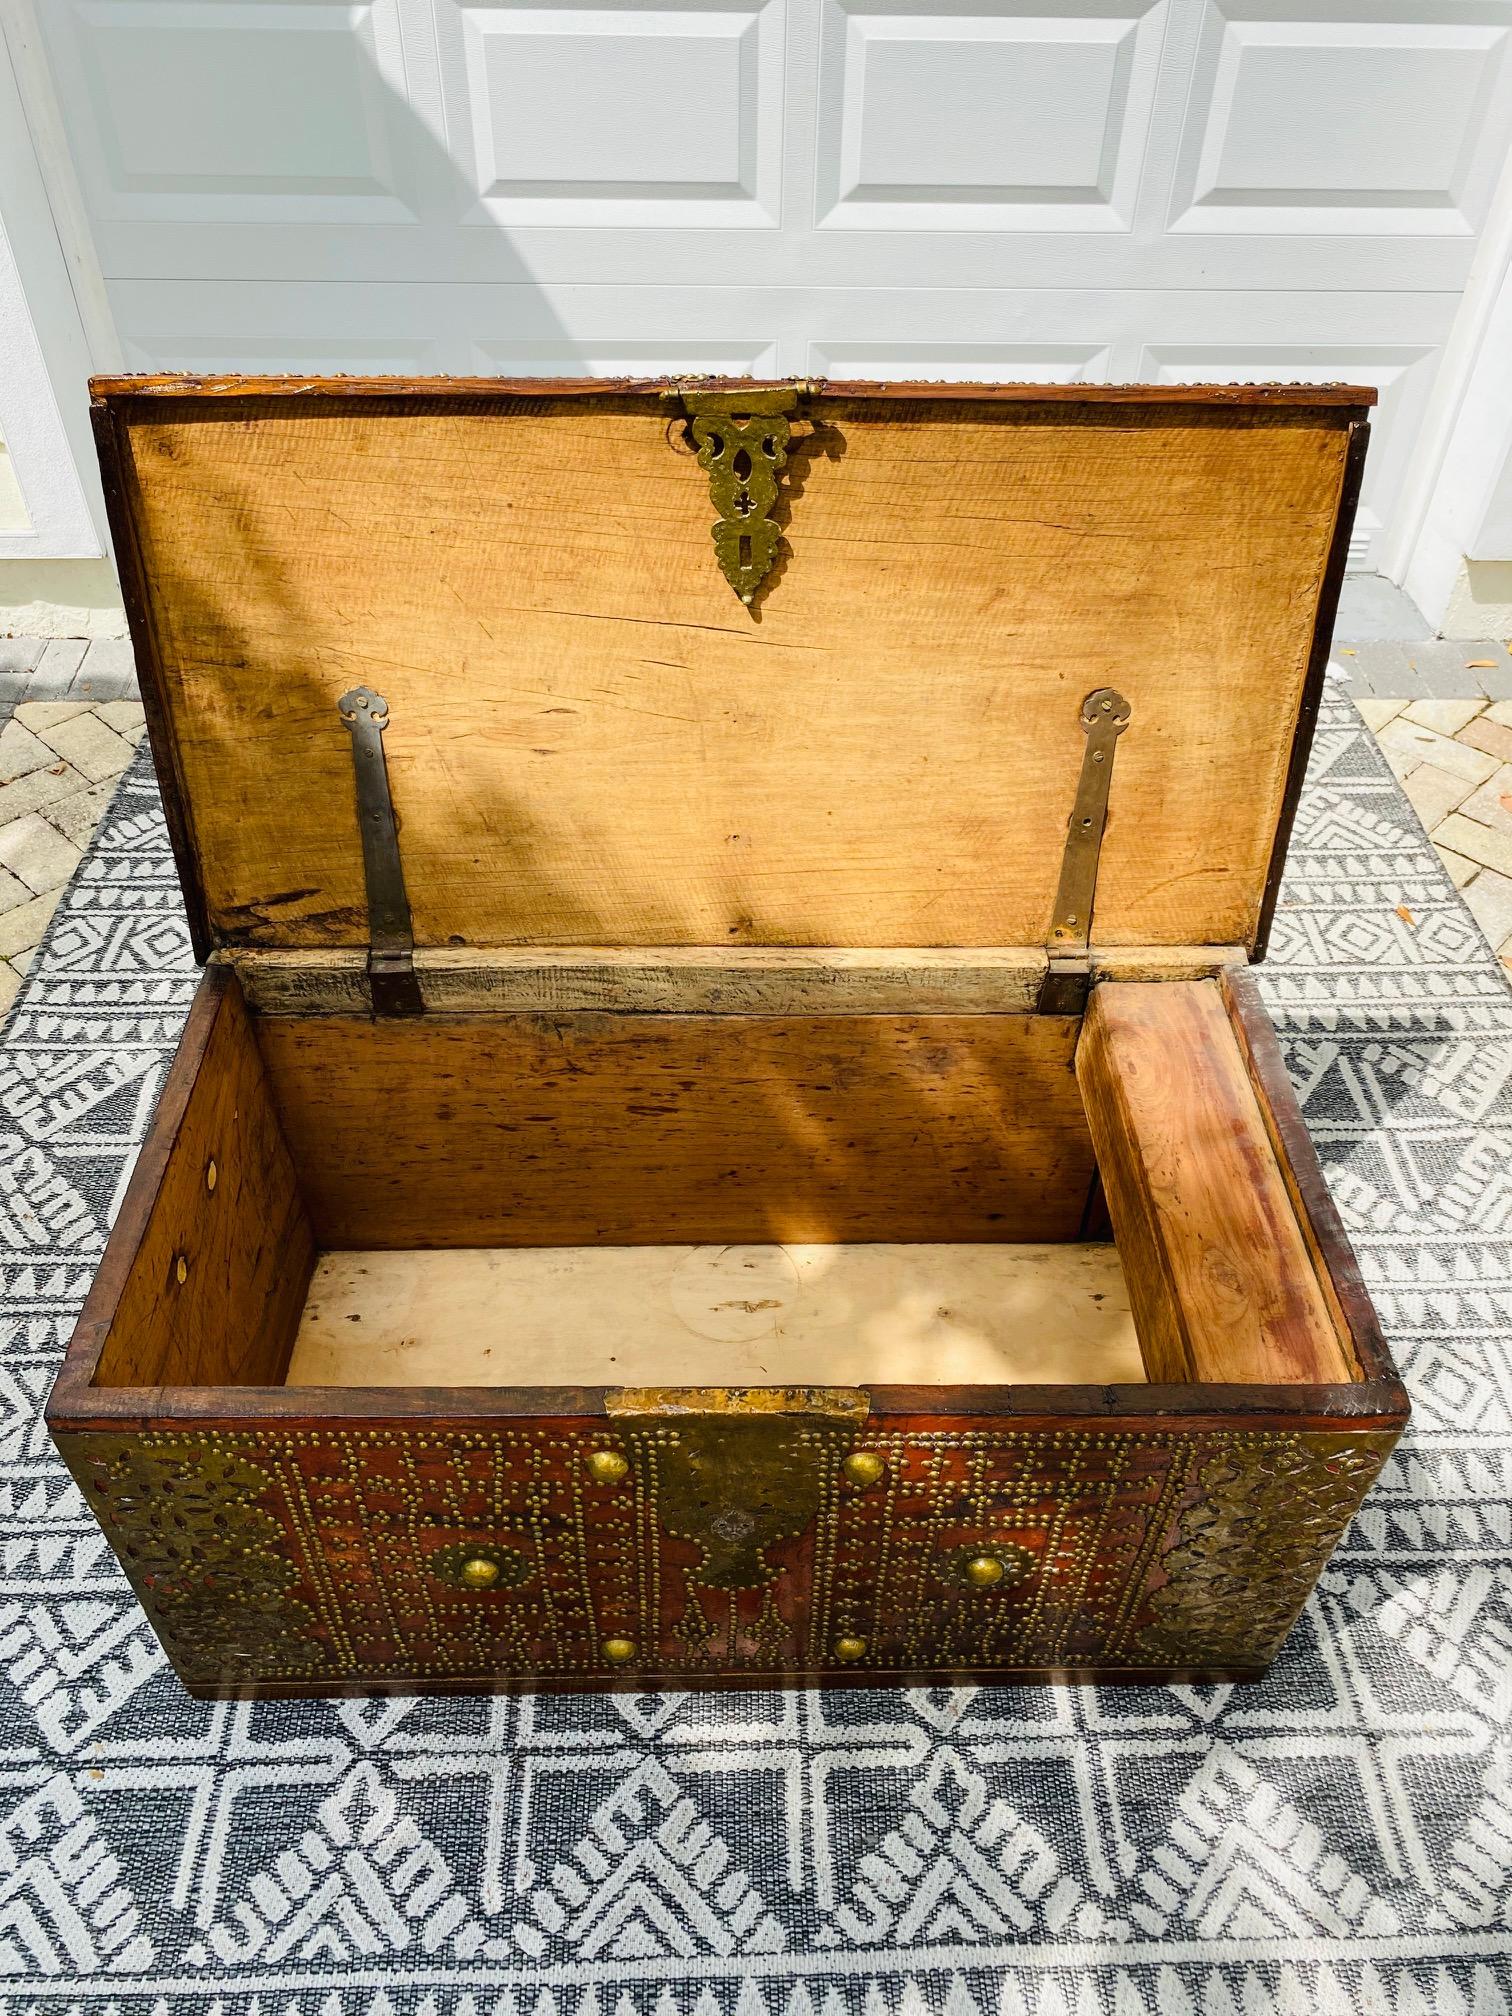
column 1333, row 1841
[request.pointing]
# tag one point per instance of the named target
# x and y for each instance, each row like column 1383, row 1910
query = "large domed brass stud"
column 864, row 1467
column 618, row 1650
column 982, row 1570
column 607, row 1466
column 479, row 1573
column 850, row 1648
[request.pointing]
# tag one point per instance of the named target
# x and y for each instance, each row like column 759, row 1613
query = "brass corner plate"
column 742, row 443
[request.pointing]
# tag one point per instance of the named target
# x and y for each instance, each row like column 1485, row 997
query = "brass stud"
column 864, row 1467
column 850, row 1648
column 479, row 1573
column 212, row 1174
column 181, row 1270
column 607, row 1466
column 618, row 1650
column 982, row 1570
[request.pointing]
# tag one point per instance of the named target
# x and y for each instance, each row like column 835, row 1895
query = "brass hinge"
column 391, row 936
column 1068, row 976
column 742, row 442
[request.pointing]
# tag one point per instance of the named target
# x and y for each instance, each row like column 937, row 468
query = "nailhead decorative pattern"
column 294, row 1553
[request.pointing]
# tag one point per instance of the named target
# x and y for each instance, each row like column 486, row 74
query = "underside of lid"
column 640, row 692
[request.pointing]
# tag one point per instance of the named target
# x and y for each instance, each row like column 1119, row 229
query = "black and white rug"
column 1335, row 1839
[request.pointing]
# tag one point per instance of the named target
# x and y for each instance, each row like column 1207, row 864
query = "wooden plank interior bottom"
column 832, row 1315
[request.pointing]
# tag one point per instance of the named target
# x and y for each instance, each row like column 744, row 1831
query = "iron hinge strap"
column 1068, row 975
column 391, row 936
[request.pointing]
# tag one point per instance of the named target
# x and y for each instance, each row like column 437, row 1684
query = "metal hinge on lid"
column 391, row 937
column 1068, row 977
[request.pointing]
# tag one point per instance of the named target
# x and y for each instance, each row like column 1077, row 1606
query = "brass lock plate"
column 741, row 439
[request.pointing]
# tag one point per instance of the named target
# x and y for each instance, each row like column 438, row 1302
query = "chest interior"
column 652, row 1201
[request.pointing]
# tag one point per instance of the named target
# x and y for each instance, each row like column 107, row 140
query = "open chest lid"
column 724, row 665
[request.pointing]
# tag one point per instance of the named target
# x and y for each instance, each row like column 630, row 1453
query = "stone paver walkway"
column 69, row 721
column 1454, row 759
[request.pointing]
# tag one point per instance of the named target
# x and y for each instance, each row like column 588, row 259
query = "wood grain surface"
column 718, row 1316
column 576, row 1129
column 1334, row 1260
column 218, row 1273
column 1221, row 1274
column 593, row 742
column 698, row 980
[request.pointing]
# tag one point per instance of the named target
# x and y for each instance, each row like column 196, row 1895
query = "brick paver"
column 1454, row 757
column 70, row 718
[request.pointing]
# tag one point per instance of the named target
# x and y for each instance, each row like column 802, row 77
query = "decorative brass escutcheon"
column 736, row 1469
column 742, row 442
column 733, row 1484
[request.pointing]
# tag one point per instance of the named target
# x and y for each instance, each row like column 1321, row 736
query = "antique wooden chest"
column 726, row 1136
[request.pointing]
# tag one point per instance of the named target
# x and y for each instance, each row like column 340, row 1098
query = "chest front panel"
column 293, row 1559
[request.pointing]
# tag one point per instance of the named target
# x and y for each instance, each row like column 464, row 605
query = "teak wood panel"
column 592, row 741
column 207, row 1274
column 1334, row 1261
column 1222, row 1277
column 577, row 1129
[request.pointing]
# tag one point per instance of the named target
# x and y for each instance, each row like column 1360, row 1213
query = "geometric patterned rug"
column 1336, row 1838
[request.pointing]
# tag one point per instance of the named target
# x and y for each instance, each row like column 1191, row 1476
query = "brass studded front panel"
column 695, row 1547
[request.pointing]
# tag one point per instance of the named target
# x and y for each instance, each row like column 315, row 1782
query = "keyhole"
column 745, row 549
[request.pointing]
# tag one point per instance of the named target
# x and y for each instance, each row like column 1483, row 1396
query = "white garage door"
column 1042, row 189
